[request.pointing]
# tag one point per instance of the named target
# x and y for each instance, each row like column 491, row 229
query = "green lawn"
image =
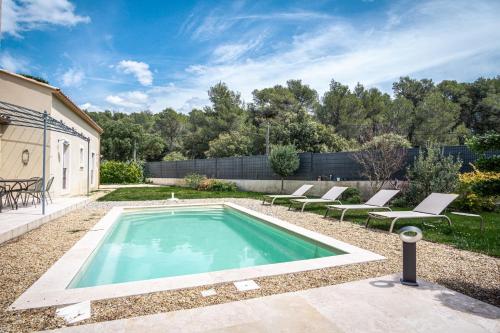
column 464, row 233
column 164, row 192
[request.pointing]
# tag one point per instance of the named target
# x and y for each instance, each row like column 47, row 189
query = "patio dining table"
column 16, row 186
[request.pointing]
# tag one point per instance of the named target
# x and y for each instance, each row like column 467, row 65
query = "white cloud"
column 293, row 16
column 181, row 99
column 72, row 77
column 13, row 64
column 137, row 68
column 24, row 15
column 211, row 26
column 218, row 21
column 90, row 107
column 196, row 69
column 231, row 52
column 129, row 101
column 428, row 37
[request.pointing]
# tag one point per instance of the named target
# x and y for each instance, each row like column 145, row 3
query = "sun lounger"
column 299, row 193
column 329, row 197
column 430, row 207
column 377, row 201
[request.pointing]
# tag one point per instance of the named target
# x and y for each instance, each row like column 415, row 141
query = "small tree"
column 431, row 172
column 284, row 161
column 381, row 158
column 481, row 144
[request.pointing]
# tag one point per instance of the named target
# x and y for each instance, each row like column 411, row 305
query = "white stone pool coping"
column 50, row 289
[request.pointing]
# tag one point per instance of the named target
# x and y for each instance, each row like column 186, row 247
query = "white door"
column 65, row 166
column 92, row 164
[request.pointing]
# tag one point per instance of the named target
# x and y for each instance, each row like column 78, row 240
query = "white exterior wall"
column 14, row 139
column 77, row 171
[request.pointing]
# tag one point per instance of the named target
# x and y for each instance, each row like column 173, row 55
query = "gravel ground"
column 25, row 259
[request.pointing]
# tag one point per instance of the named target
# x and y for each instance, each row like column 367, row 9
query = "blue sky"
column 137, row 55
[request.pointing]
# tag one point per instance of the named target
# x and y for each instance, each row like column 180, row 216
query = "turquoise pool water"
column 153, row 244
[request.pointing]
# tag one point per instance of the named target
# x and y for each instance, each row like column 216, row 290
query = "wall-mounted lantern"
column 25, row 157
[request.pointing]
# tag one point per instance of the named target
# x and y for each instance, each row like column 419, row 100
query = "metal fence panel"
column 327, row 166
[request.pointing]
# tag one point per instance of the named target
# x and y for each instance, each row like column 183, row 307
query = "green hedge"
column 488, row 163
column 116, row 172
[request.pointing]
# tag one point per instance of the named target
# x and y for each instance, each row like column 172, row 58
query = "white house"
column 66, row 160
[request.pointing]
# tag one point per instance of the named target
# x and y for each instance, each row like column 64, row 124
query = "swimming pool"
column 188, row 240
column 136, row 250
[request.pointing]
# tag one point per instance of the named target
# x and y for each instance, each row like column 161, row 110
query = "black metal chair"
column 33, row 190
column 4, row 192
column 47, row 188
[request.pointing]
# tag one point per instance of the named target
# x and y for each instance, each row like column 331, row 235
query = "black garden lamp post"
column 410, row 236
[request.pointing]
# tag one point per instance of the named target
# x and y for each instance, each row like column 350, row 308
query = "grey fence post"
column 216, row 167
column 241, row 167
column 311, row 167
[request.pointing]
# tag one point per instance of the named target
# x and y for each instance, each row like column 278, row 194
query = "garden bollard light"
column 410, row 236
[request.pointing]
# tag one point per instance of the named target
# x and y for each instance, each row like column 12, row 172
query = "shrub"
column 483, row 143
column 351, row 196
column 217, row 185
column 431, row 172
column 480, row 145
column 471, row 202
column 488, row 163
column 284, row 161
column 482, row 183
column 478, row 190
column 174, row 156
column 116, row 172
column 194, row 180
column 202, row 183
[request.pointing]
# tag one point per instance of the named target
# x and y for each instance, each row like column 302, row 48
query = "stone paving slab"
column 374, row 305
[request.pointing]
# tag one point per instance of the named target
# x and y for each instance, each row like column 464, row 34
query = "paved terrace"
column 15, row 222
column 373, row 305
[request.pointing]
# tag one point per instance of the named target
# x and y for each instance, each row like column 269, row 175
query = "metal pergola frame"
column 15, row 115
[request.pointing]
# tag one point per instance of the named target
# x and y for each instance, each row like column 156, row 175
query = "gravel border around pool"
column 24, row 260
